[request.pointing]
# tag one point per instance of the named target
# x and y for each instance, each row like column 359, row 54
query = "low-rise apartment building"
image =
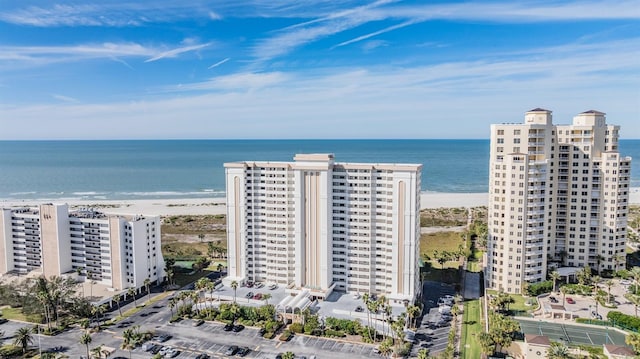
column 114, row 250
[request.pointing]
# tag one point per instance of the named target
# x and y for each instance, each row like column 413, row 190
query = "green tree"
column 554, row 276
column 147, row 286
column 366, row 299
column 288, row 355
column 234, row 286
column 132, row 293
column 423, row 353
column 23, row 338
column 99, row 352
column 412, row 312
column 558, row 351
column 201, row 237
column 85, row 339
column 486, row 343
column 118, row 298
column 266, row 297
column 609, row 284
column 130, row 339
column 635, row 300
column 633, row 340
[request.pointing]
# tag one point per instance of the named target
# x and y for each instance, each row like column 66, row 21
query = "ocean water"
column 194, row 168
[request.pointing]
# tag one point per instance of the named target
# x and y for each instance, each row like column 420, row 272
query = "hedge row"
column 629, row 322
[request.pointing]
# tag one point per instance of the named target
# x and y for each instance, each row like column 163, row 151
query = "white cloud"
column 42, row 55
column 177, row 51
column 218, row 63
column 448, row 100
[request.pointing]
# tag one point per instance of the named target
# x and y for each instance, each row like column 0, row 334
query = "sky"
column 233, row 69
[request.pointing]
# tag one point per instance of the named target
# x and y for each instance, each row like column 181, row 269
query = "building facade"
column 558, row 197
column 318, row 225
column 117, row 251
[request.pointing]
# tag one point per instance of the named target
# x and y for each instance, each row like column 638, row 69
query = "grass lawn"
column 16, row 314
column 440, row 241
column 183, row 279
column 471, row 326
column 518, row 305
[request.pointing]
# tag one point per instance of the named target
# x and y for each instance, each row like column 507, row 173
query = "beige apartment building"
column 315, row 225
column 558, row 197
column 114, row 250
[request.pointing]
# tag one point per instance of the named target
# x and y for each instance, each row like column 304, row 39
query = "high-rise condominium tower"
column 316, row 225
column 558, row 198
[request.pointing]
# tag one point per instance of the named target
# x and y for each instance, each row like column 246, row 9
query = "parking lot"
column 210, row 338
column 433, row 331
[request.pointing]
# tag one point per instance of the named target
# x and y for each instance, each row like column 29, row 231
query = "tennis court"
column 573, row 334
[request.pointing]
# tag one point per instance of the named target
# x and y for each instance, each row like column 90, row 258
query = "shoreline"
column 216, row 205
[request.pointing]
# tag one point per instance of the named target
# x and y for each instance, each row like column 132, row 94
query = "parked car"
column 262, row 331
column 249, row 295
column 359, row 309
column 259, row 285
column 249, row 284
column 243, row 351
column 228, row 327
column 273, row 286
column 595, row 315
column 231, row 350
column 356, row 295
column 3, row 320
column 258, row 296
column 570, row 300
column 202, row 356
column 237, row 328
column 553, row 300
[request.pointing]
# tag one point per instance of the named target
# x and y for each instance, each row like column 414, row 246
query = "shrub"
column 536, row 289
column 296, row 328
column 334, row 333
column 629, row 322
column 285, row 336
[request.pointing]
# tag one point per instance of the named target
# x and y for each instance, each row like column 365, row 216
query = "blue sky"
column 311, row 69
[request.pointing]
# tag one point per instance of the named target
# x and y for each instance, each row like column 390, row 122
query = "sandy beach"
column 213, row 206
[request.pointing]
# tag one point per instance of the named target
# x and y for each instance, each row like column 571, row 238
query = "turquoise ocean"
column 151, row 169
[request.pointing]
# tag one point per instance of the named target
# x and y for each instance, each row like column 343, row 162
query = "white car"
column 356, row 295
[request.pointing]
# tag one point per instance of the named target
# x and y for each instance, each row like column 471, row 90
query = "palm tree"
column 147, row 285
column 132, row 293
column 266, row 298
column 564, row 291
column 288, row 355
column 558, row 351
column 99, row 352
column 423, row 353
column 635, row 300
column 220, row 267
column 597, row 298
column 609, row 284
column 172, row 304
column 23, row 337
column 486, row 343
column 86, row 340
column 555, row 276
column 633, row 339
column 385, row 348
column 365, row 301
column 617, row 258
column 129, row 340
column 117, row 298
column 234, row 286
column 412, row 312
column 635, row 273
